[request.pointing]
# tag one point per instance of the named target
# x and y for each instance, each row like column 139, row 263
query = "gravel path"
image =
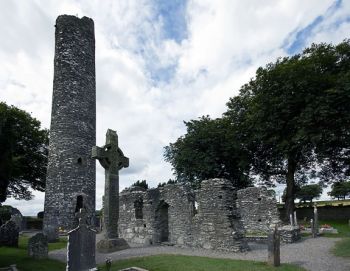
column 312, row 254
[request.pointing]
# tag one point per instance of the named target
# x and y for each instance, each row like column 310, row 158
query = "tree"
column 340, row 190
column 142, row 184
column 23, row 153
column 309, row 192
column 170, row 181
column 208, row 150
column 294, row 118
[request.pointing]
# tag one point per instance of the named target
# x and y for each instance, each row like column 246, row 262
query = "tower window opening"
column 80, row 203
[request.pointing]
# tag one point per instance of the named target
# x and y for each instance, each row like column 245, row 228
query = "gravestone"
column 9, row 234
column 314, row 224
column 315, row 221
column 38, row 246
column 295, row 219
column 274, row 247
column 313, row 232
column 18, row 219
column 112, row 160
column 81, row 246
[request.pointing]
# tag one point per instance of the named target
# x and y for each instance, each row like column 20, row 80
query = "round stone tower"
column 71, row 180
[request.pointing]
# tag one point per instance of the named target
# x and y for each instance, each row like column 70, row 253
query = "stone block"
column 38, row 246
column 9, row 234
column 81, row 248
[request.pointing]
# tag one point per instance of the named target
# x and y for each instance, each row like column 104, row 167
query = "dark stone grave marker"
column 81, row 246
column 38, row 246
column 9, row 234
column 274, row 247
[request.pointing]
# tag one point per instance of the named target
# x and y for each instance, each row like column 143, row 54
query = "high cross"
column 112, row 160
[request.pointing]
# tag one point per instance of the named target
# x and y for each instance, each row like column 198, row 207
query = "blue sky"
column 300, row 37
column 158, row 63
column 173, row 16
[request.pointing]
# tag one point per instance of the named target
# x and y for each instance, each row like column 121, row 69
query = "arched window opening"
column 79, row 204
column 138, row 205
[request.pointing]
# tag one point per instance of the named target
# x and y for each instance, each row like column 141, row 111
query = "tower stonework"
column 71, row 180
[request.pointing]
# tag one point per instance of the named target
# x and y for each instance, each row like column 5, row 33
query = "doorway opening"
column 162, row 221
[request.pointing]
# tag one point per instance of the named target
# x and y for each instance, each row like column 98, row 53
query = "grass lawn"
column 341, row 225
column 62, row 243
column 342, row 248
column 19, row 257
column 191, row 263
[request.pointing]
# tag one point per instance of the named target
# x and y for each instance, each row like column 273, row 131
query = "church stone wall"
column 216, row 224
column 258, row 210
column 176, row 214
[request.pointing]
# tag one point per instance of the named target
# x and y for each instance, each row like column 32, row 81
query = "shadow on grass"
column 194, row 263
column 19, row 257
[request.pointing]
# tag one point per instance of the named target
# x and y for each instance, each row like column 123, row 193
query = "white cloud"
column 226, row 41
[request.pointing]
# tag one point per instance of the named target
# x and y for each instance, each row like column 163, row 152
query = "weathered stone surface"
column 273, row 247
column 81, row 246
column 112, row 159
column 169, row 215
column 18, row 219
column 290, row 234
column 70, row 182
column 38, row 246
column 314, row 224
column 258, row 210
column 9, row 234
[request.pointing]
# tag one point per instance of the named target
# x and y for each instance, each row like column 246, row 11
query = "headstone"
column 313, row 230
column 295, row 219
column 291, row 220
column 9, row 234
column 18, row 219
column 112, row 160
column 38, row 246
column 316, row 220
column 274, row 247
column 81, row 246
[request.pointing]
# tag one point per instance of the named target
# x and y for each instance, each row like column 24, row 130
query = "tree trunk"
column 5, row 170
column 290, row 190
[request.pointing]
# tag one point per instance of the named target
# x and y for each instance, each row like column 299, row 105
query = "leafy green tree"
column 170, row 181
column 23, row 153
column 309, row 192
column 340, row 190
column 294, row 118
column 208, row 150
column 142, row 184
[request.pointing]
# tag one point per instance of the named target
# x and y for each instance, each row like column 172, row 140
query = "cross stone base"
column 111, row 245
